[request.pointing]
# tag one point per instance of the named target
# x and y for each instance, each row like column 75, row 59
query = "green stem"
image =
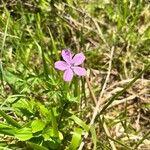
column 54, row 124
column 77, row 87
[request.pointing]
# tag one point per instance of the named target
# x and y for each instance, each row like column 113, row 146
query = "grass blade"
column 9, row 119
column 124, row 89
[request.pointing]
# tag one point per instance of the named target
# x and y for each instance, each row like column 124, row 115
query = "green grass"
column 107, row 110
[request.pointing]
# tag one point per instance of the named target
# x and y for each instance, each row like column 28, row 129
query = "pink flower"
column 70, row 65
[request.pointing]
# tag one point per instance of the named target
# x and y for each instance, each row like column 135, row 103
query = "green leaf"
column 24, row 104
column 12, row 78
column 52, row 143
column 43, row 110
column 37, row 125
column 72, row 99
column 61, row 136
column 80, row 122
column 48, row 133
column 4, row 148
column 23, row 134
column 76, row 138
column 7, row 130
column 54, row 124
column 36, row 146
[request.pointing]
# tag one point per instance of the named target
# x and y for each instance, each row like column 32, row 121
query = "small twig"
column 137, row 122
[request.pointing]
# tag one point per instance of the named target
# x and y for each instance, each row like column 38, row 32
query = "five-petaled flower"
column 70, row 65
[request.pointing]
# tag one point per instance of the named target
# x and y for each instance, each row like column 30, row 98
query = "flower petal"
column 79, row 71
column 61, row 65
column 68, row 75
column 67, row 56
column 78, row 59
